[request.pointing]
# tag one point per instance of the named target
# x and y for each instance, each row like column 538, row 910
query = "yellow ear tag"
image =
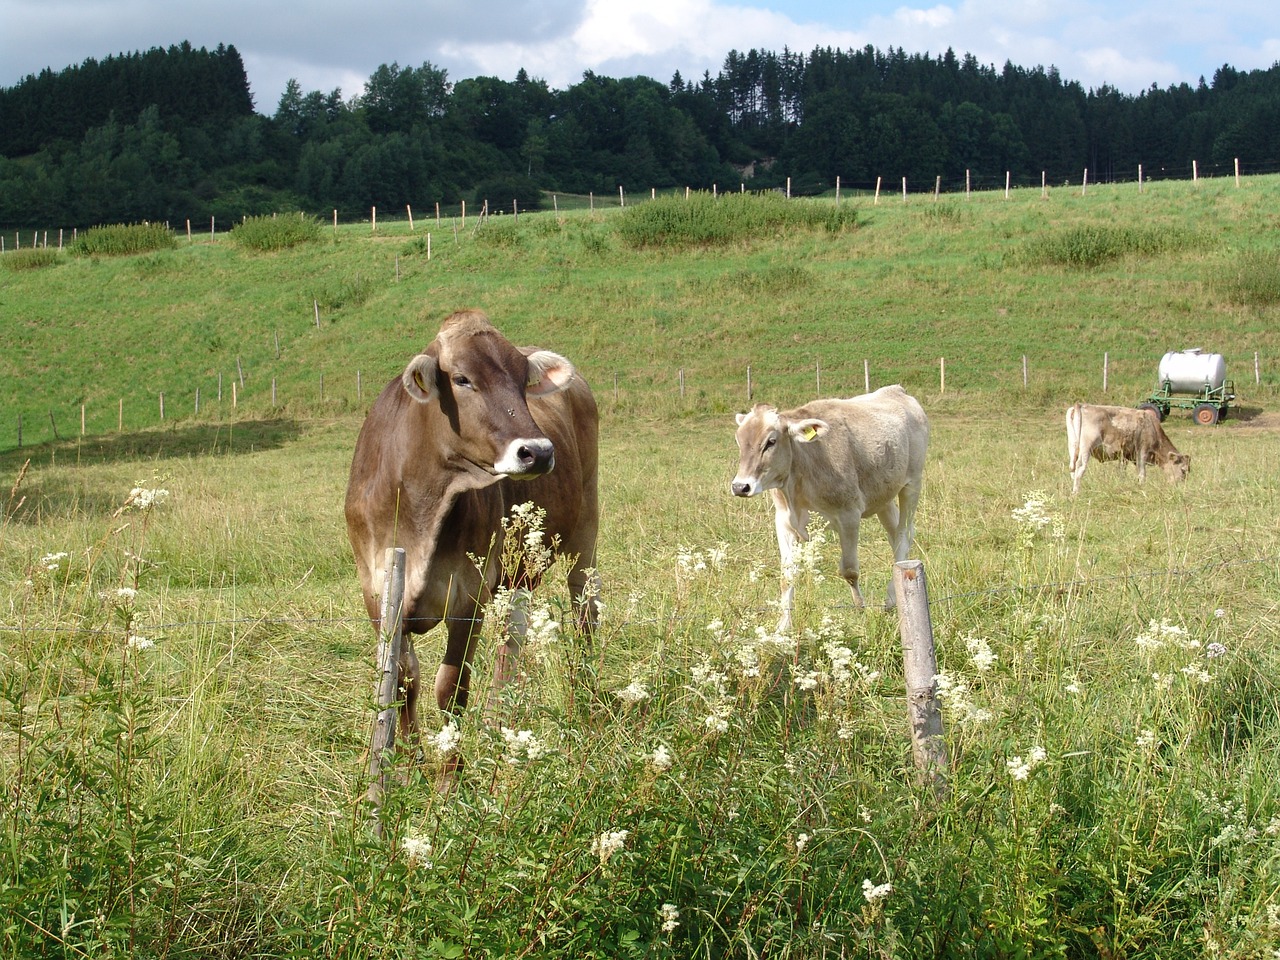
column 417, row 378
column 810, row 433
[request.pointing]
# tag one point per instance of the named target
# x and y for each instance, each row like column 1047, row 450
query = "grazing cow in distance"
column 472, row 427
column 845, row 459
column 1132, row 434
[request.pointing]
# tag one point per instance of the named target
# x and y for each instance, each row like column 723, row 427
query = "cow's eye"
column 460, row 381
column 769, row 442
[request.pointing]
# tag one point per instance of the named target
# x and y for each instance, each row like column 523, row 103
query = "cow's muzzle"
column 742, row 488
column 528, row 457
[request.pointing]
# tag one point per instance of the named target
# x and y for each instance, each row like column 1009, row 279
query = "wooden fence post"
column 390, row 634
column 920, row 666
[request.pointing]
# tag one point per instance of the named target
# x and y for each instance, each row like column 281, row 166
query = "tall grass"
column 276, row 233
column 185, row 764
column 123, row 239
column 1095, row 244
column 1252, row 280
column 703, row 219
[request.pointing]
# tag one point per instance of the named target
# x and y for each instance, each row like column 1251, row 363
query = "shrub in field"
column 32, row 258
column 1252, row 280
column 276, row 233
column 120, row 240
column 702, row 219
column 1093, row 244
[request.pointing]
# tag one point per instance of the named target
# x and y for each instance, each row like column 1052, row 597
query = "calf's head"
column 764, row 448
column 481, row 384
column 1176, row 466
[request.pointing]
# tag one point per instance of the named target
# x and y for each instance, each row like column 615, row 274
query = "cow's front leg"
column 790, row 527
column 410, row 682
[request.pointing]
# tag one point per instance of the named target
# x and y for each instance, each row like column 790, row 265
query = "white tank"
column 1188, row 371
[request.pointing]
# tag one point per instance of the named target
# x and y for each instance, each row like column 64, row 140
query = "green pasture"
column 186, row 677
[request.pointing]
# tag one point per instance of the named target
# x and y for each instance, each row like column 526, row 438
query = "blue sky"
column 327, row 44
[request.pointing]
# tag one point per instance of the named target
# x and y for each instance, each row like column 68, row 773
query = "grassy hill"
column 982, row 282
column 185, row 690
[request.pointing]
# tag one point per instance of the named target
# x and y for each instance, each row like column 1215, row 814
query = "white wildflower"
column 609, row 843
column 807, row 679
column 1194, row 671
column 980, row 654
column 801, row 840
column 670, row 917
column 1020, row 769
column 126, row 594
column 140, row 643
column 417, row 850
column 634, row 692
column 1215, row 650
column 522, row 745
column 955, row 694
column 52, row 561
column 876, row 891
column 144, row 498
column 1145, row 740
column 1219, row 613
column 448, row 740
column 661, row 758
column 717, row 722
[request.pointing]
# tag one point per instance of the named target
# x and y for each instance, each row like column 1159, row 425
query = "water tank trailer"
column 1192, row 380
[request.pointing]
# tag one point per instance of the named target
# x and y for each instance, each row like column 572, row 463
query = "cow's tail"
column 1073, row 435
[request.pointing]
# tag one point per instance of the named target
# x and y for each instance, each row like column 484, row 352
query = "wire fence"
column 1077, row 584
column 455, row 215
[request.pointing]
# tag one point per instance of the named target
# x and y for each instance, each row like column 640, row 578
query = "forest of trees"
column 172, row 134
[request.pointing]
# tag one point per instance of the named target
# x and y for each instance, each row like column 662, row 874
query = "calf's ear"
column 741, row 418
column 419, row 378
column 548, row 373
column 806, row 431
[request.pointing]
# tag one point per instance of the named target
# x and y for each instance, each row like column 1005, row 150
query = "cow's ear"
column 419, row 378
column 548, row 373
column 741, row 418
column 806, row 431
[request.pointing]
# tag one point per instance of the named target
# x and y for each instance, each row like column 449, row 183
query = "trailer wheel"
column 1206, row 414
column 1159, row 411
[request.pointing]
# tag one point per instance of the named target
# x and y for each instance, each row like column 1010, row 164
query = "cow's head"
column 764, row 448
column 1176, row 466
column 481, row 383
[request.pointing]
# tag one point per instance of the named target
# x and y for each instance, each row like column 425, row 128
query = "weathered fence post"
column 920, row 666
column 389, row 640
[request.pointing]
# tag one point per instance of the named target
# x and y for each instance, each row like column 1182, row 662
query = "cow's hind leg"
column 899, row 522
column 847, row 527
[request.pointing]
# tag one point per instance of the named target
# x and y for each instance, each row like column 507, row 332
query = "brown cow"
column 1132, row 434
column 471, row 428
column 846, row 459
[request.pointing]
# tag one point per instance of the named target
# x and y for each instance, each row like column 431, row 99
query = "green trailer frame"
column 1207, row 407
